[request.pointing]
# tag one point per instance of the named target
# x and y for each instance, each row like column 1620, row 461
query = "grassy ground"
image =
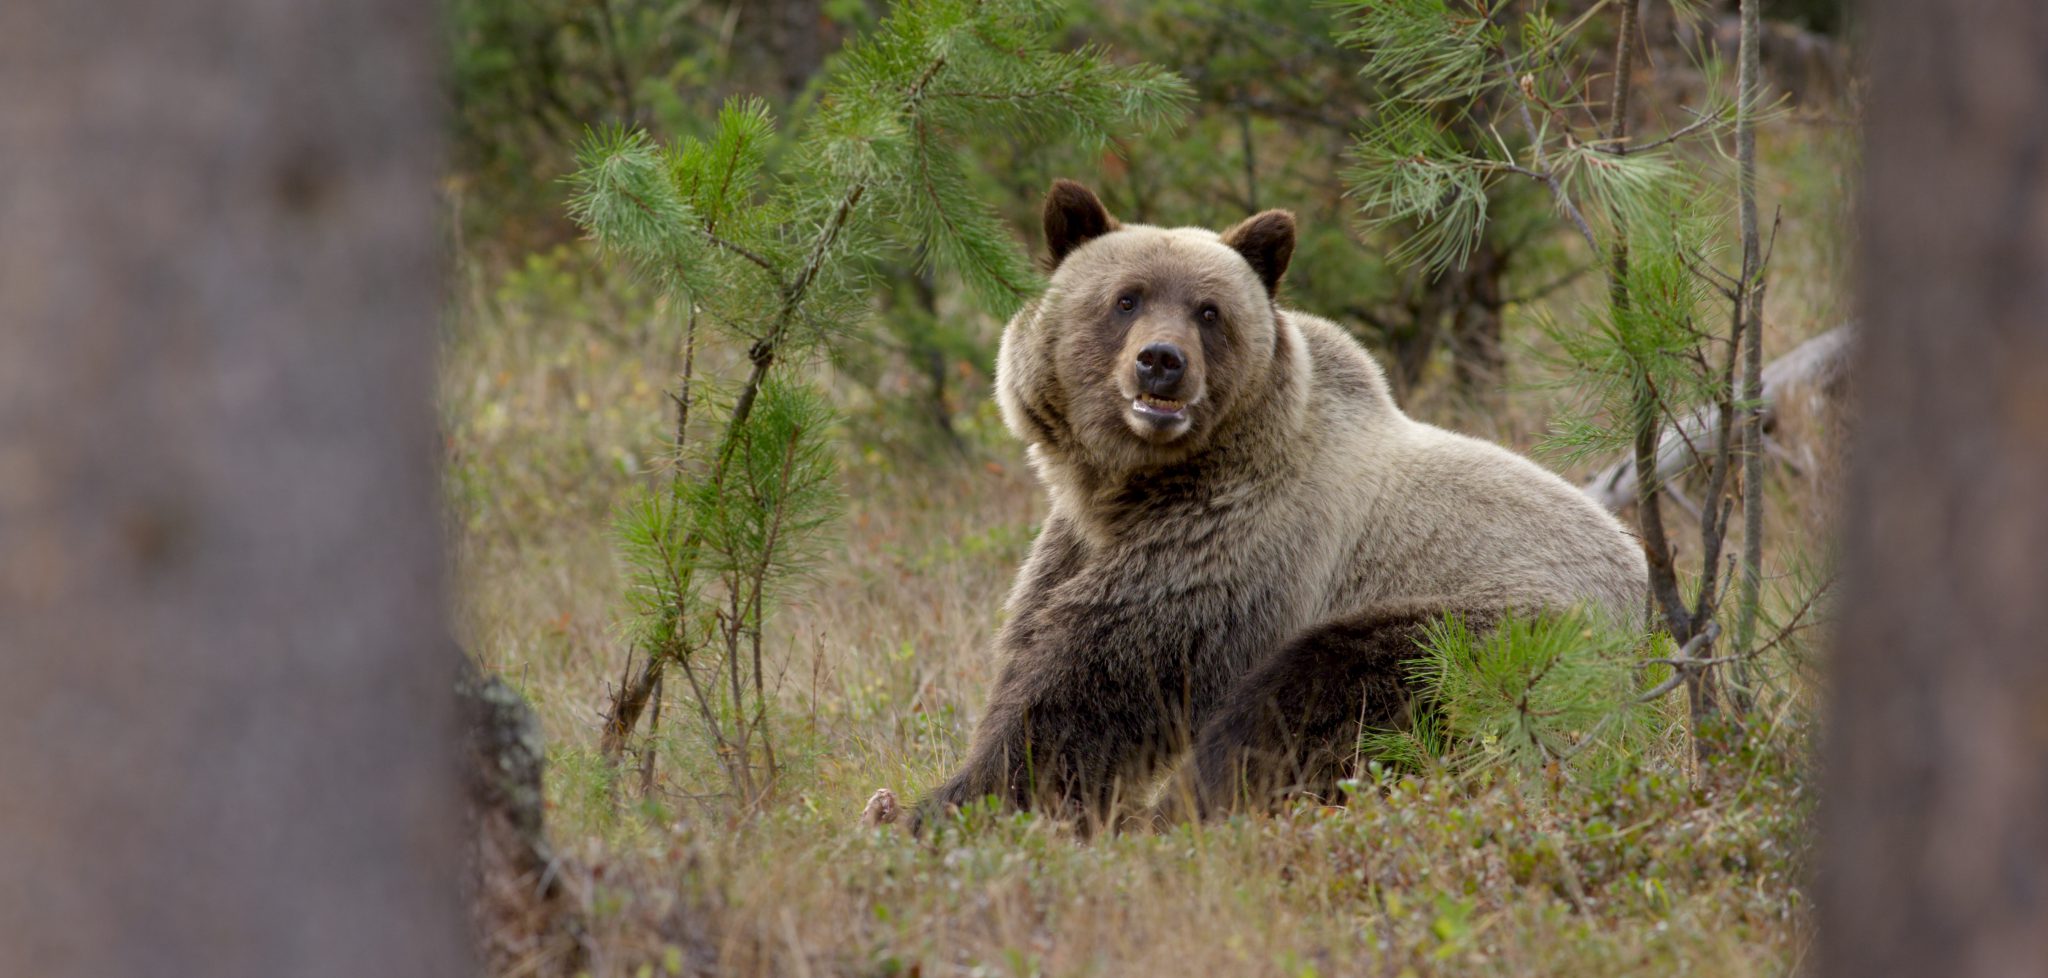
column 553, row 399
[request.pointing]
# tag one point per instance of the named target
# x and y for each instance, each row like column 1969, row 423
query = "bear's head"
column 1149, row 343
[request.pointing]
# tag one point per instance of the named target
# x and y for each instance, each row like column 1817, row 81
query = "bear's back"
column 1433, row 514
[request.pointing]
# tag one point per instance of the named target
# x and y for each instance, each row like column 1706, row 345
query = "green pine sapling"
column 1647, row 212
column 773, row 240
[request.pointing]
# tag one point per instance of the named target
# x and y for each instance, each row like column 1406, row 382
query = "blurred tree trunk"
column 1459, row 308
column 1935, row 822
column 1479, row 359
column 226, row 716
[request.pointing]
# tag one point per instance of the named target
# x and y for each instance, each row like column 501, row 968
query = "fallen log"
column 1815, row 368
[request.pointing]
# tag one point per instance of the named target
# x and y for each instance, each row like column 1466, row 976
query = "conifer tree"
column 1648, row 214
column 773, row 241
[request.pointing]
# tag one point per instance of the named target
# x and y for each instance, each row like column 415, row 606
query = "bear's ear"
column 1266, row 240
column 1072, row 218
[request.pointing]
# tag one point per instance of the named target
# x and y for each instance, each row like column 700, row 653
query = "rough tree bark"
column 1935, row 814
column 226, row 728
column 524, row 919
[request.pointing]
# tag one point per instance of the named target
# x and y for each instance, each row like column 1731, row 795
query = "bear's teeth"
column 1157, row 406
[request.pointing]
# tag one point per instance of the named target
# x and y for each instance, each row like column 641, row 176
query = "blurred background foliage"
column 1278, row 102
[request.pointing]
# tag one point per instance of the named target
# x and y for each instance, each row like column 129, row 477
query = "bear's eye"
column 1126, row 303
column 1208, row 314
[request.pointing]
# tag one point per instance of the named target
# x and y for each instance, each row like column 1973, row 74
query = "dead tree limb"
column 1815, row 365
column 1686, row 662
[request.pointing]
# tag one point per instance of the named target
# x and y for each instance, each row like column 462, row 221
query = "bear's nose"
column 1160, row 366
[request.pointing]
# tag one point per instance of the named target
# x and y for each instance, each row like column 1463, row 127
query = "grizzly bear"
column 1246, row 535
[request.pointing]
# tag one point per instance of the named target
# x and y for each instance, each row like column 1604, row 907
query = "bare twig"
column 1715, row 661
column 743, row 252
column 684, row 380
column 1705, row 637
column 1796, row 622
column 733, row 625
column 1545, row 290
column 1681, row 664
column 1624, row 71
column 1698, row 123
column 1748, row 84
column 1714, row 277
column 1541, row 173
column 648, row 753
column 1550, row 183
column 1714, row 529
column 1649, row 512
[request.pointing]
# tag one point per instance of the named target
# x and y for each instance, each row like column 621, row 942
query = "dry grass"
column 553, row 397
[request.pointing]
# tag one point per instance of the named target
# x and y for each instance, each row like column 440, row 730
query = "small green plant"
column 1556, row 693
column 772, row 241
column 753, row 528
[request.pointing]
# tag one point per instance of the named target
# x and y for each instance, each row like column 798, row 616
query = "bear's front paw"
column 882, row 809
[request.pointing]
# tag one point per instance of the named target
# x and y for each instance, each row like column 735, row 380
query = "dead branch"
column 1814, row 365
column 1700, row 640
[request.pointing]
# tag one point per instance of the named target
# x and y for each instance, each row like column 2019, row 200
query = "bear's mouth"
column 1159, row 409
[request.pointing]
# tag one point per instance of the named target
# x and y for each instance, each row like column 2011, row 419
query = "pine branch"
column 748, row 254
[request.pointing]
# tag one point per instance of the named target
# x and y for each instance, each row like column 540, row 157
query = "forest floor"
column 553, row 401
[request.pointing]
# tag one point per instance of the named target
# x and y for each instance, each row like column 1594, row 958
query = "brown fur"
column 1072, row 216
column 1289, row 497
column 1291, row 726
